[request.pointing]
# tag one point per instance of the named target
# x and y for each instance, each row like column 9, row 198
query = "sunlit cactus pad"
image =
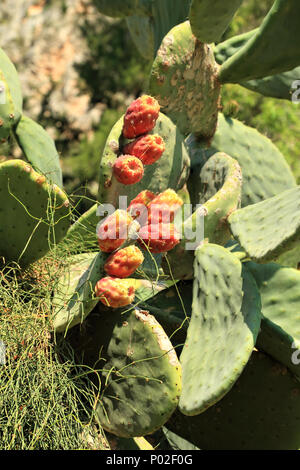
column 139, row 369
column 34, row 215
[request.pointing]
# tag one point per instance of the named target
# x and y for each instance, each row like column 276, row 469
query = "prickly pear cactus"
column 244, row 202
column 181, row 343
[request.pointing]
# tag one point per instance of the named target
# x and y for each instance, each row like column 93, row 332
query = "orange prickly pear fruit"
column 163, row 207
column 124, row 262
column 114, row 292
column 148, row 148
column 140, row 117
column 158, row 238
column 114, row 230
column 138, row 206
column 128, row 169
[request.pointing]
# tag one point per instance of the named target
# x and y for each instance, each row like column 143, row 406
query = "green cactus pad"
column 226, row 314
column 172, row 307
column 142, row 33
column 39, row 149
column 273, row 49
column 208, row 21
column 178, row 443
column 167, row 14
column 280, row 328
column 74, row 297
column 290, row 258
column 275, row 86
column 269, row 228
column 261, row 412
column 83, row 230
column 12, row 78
column 171, row 170
column 140, row 372
column 226, row 49
column 185, row 84
column 217, row 186
column 122, row 8
column 34, row 215
column 264, row 169
column 10, row 97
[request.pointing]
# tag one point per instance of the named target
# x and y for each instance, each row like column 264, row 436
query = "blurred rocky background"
column 80, row 69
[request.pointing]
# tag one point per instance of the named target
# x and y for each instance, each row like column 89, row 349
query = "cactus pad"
column 223, row 328
column 142, row 34
column 185, row 84
column 167, row 14
column 10, row 97
column 83, row 230
column 272, row 49
column 34, row 215
column 269, row 228
column 140, row 372
column 264, row 169
column 224, row 50
column 218, row 188
column 207, row 25
column 275, row 86
column 39, row 149
column 11, row 76
column 261, row 412
column 220, row 192
column 280, row 327
column 74, row 295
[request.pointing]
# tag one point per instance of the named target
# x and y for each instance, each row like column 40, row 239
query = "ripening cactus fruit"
column 124, row 262
column 140, row 117
column 158, row 238
column 163, row 207
column 148, row 148
column 138, row 206
column 113, row 231
column 114, row 292
column 128, row 169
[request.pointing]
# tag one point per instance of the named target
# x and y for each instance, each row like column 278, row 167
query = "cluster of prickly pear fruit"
column 140, row 118
column 226, row 291
column 151, row 215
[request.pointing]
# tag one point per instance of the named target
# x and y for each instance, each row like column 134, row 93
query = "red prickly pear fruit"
column 124, row 262
column 114, row 292
column 140, row 117
column 138, row 206
column 158, row 238
column 113, row 231
column 163, row 207
column 148, row 148
column 128, row 169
